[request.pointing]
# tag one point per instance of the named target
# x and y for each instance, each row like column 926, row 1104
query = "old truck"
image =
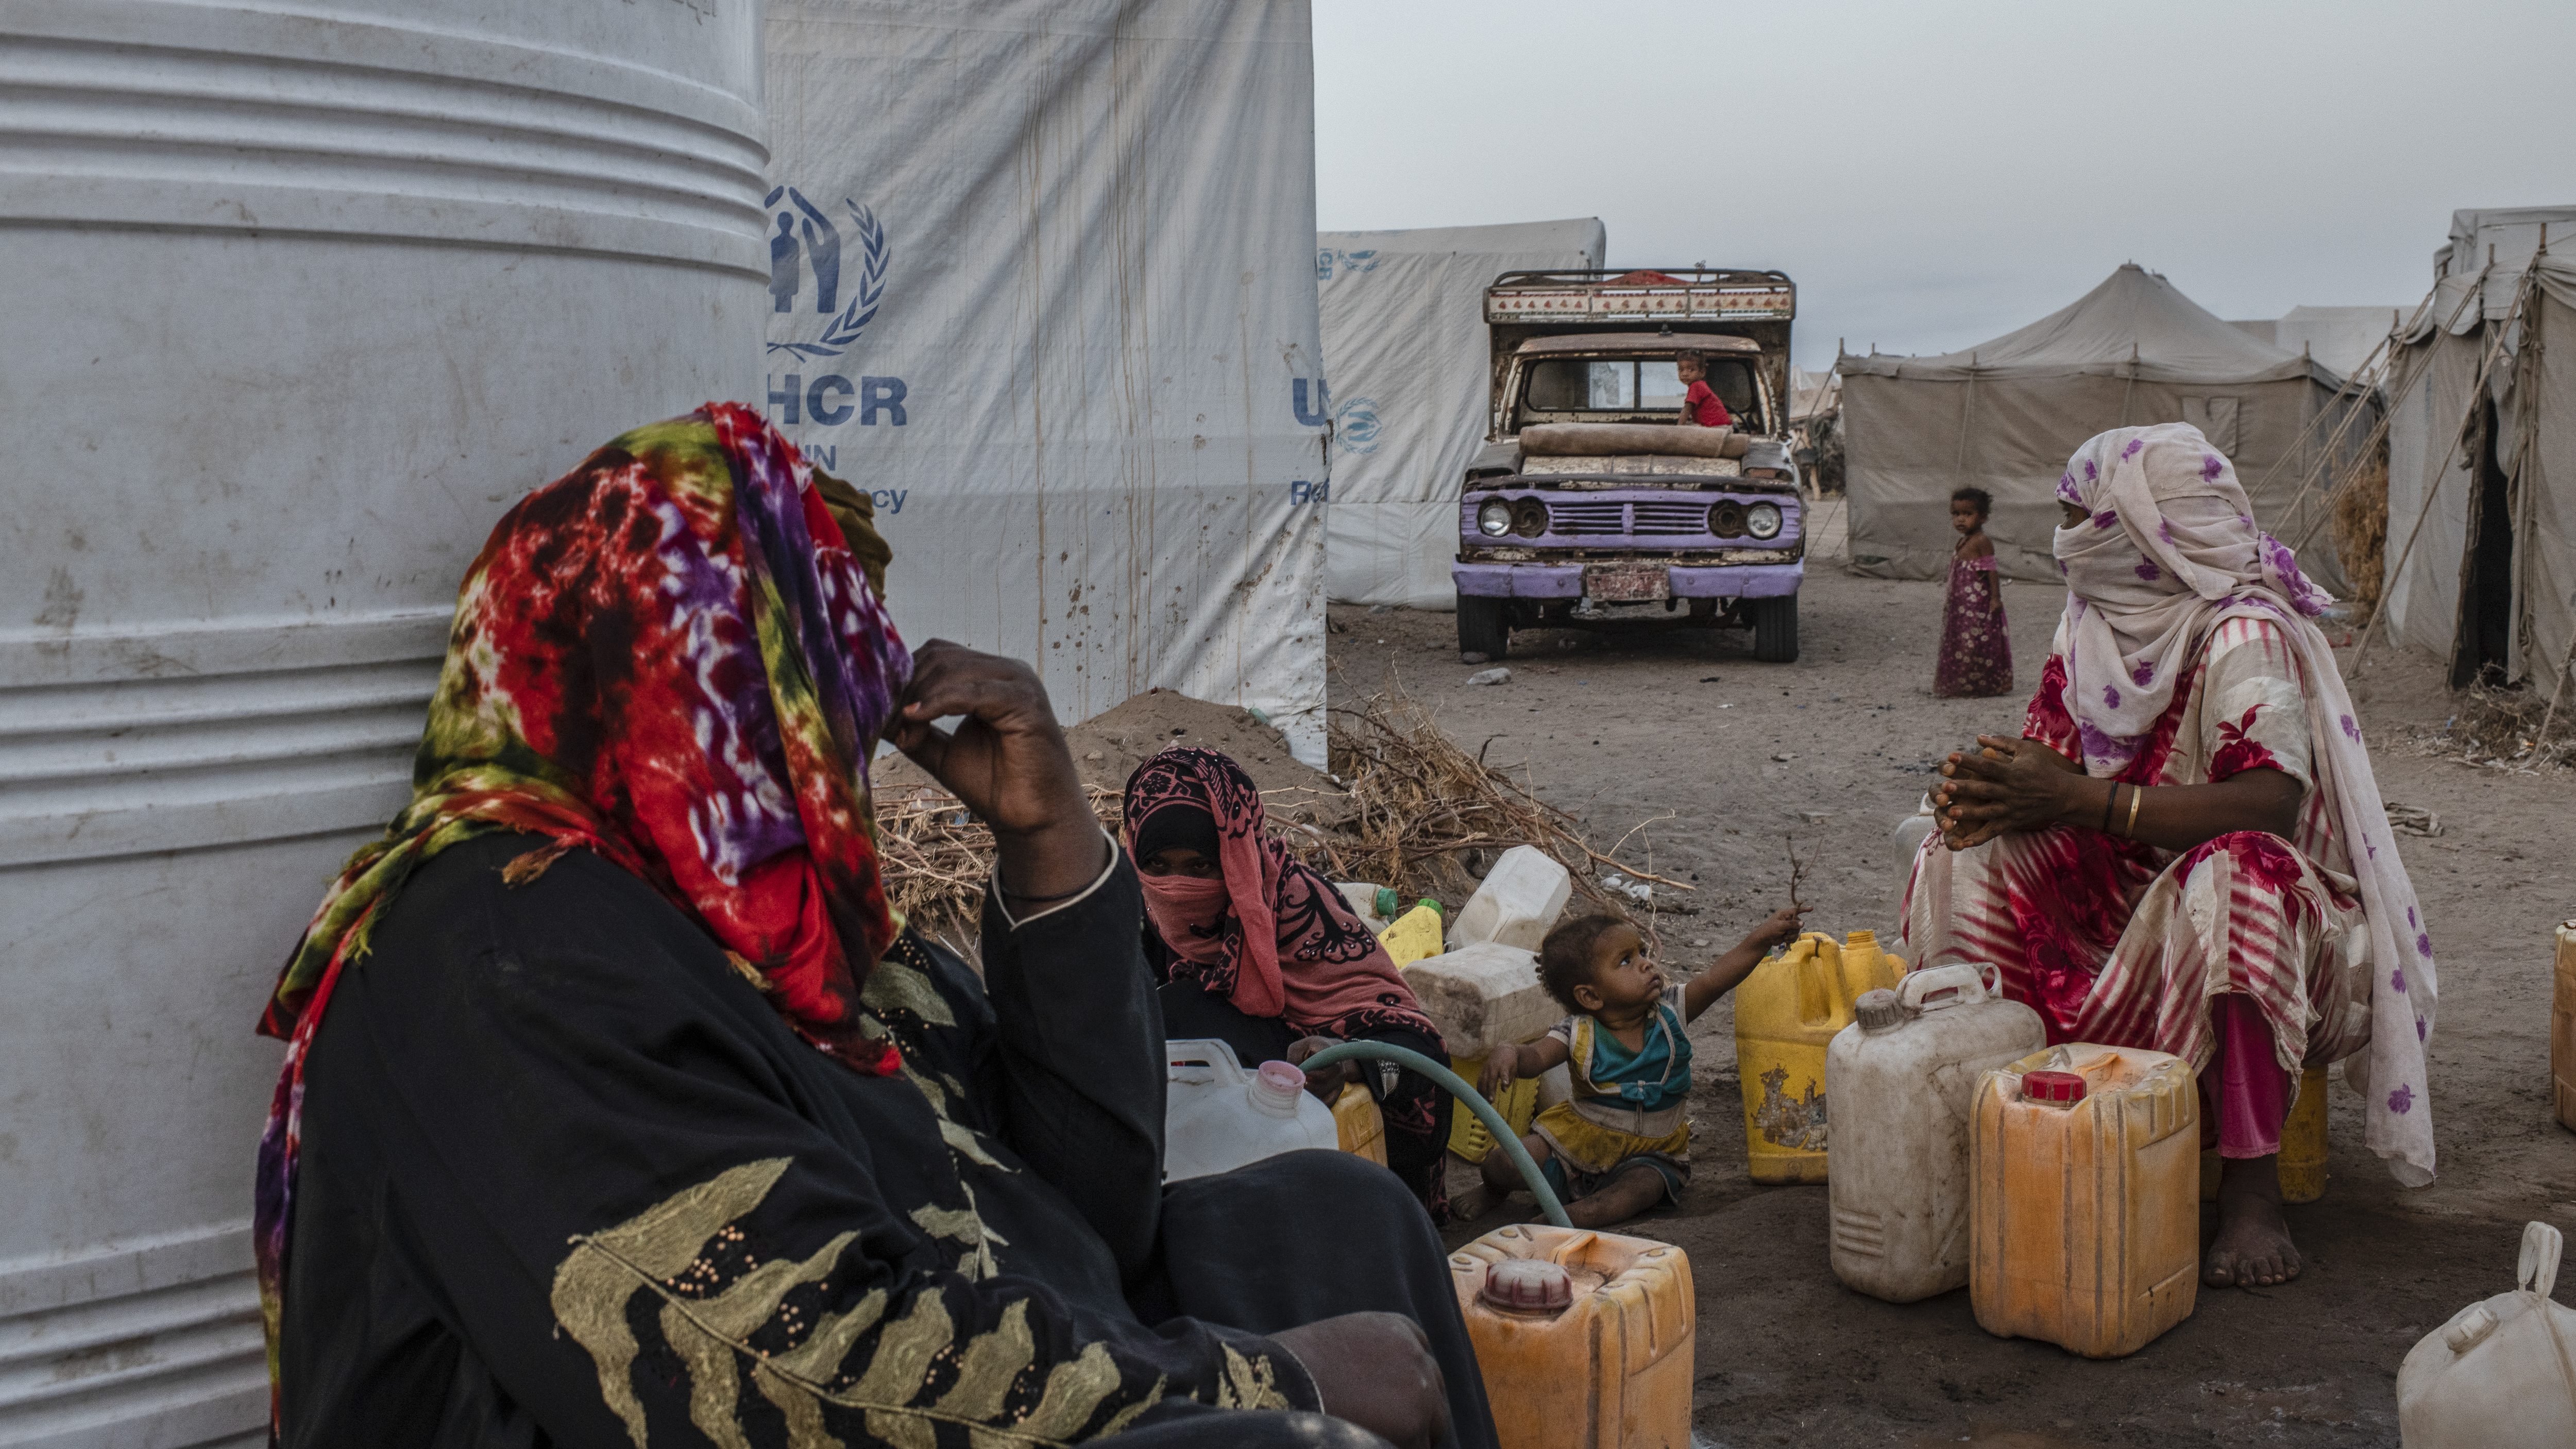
column 1591, row 504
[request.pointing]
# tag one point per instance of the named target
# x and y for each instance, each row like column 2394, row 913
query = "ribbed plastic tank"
column 298, row 302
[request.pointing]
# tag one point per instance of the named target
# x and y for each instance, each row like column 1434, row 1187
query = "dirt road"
column 1726, row 757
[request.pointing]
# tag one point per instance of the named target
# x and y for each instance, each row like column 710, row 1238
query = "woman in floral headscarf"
column 2185, row 851
column 618, row 1108
column 1260, row 952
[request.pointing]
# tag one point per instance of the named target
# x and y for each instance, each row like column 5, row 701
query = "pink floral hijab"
column 2170, row 551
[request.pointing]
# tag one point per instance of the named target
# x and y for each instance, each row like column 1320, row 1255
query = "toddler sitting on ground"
column 1623, row 1143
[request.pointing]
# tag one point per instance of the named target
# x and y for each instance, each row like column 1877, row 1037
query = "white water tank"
column 295, row 302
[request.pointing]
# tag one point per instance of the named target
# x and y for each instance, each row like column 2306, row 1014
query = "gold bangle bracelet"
column 2137, row 793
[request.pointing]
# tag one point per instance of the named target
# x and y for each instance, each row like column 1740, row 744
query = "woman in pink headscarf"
column 1260, row 952
column 2186, row 851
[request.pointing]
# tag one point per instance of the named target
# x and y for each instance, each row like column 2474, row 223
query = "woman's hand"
column 2004, row 786
column 1502, row 1068
column 1328, row 1083
column 1375, row 1370
column 1007, row 762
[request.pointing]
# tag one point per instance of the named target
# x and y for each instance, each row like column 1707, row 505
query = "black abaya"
column 568, row 1180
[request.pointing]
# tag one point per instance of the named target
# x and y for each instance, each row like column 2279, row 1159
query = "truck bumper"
column 1565, row 581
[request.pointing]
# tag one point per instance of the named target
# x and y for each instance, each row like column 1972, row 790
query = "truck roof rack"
column 1643, row 294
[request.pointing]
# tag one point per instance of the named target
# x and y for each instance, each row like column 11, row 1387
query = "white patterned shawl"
column 2171, row 550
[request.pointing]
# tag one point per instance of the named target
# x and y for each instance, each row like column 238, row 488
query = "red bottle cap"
column 2064, row 1088
column 1528, row 1285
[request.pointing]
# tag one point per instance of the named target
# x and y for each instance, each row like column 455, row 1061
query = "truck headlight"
column 1529, row 518
column 1726, row 518
column 1494, row 519
column 1762, row 520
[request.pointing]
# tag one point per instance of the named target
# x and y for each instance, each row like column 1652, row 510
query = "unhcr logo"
column 829, row 277
column 1355, row 425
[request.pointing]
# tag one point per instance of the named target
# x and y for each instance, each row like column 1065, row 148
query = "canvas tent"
column 1041, row 279
column 2348, row 340
column 1813, row 394
column 1405, row 352
column 2482, row 453
column 2006, row 414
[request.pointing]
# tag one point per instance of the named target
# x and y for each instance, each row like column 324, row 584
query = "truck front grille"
column 1671, row 520
column 1574, row 519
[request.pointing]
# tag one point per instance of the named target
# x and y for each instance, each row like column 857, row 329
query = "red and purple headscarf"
column 1270, row 935
column 669, row 656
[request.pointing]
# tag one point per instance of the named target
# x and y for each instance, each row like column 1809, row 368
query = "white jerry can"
column 2502, row 1373
column 1518, row 903
column 1902, row 1078
column 1218, row 1117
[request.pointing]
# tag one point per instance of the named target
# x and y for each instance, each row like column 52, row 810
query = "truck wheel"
column 1775, row 630
column 1483, row 626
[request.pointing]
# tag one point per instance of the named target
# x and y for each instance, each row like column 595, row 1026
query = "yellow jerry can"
column 1361, row 1128
column 2562, row 1030
column 1415, row 935
column 2303, row 1146
column 1583, row 1338
column 1786, row 1014
column 1518, row 1104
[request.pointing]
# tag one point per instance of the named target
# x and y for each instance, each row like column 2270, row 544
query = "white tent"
column 2006, row 414
column 1812, row 394
column 2345, row 339
column 1411, row 372
column 1040, row 273
column 2482, row 453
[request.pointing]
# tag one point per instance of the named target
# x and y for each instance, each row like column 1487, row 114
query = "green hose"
column 1456, row 1085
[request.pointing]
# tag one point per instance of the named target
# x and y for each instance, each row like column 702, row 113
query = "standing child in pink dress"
column 1976, row 649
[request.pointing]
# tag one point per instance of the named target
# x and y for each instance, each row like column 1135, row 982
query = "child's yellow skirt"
column 1589, row 1147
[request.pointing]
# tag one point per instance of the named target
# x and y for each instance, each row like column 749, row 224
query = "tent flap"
column 1406, row 352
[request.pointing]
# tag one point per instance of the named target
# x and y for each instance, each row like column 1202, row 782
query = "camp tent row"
column 2482, row 454
column 2006, row 414
column 1410, row 376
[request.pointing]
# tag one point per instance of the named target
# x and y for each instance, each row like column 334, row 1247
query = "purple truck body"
column 1585, row 509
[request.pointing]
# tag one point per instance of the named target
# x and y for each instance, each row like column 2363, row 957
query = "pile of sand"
column 1108, row 747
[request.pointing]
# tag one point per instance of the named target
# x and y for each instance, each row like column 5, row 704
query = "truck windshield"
column 1626, row 385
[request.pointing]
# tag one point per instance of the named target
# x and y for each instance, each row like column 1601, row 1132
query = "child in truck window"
column 1701, row 406
column 1976, row 649
column 1622, row 1144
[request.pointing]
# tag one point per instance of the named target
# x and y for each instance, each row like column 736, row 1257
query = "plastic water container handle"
column 2541, row 1245
column 1216, row 1053
column 1969, row 980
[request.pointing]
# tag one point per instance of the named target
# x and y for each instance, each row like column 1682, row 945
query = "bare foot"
column 1473, row 1203
column 1627, row 1195
column 2253, row 1248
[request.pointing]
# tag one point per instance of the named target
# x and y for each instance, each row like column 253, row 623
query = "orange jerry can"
column 1359, row 1125
column 2084, row 1165
column 1583, row 1338
column 2562, row 1029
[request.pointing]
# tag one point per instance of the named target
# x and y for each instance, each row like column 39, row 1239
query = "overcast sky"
column 1934, row 174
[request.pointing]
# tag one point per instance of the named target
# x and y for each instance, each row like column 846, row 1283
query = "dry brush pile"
column 1424, row 816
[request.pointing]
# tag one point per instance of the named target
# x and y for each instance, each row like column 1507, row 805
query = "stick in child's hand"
column 1797, row 871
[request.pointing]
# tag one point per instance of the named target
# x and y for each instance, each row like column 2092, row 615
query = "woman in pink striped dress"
column 2185, row 851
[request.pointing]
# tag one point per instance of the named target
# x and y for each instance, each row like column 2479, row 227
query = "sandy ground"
column 1726, row 757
